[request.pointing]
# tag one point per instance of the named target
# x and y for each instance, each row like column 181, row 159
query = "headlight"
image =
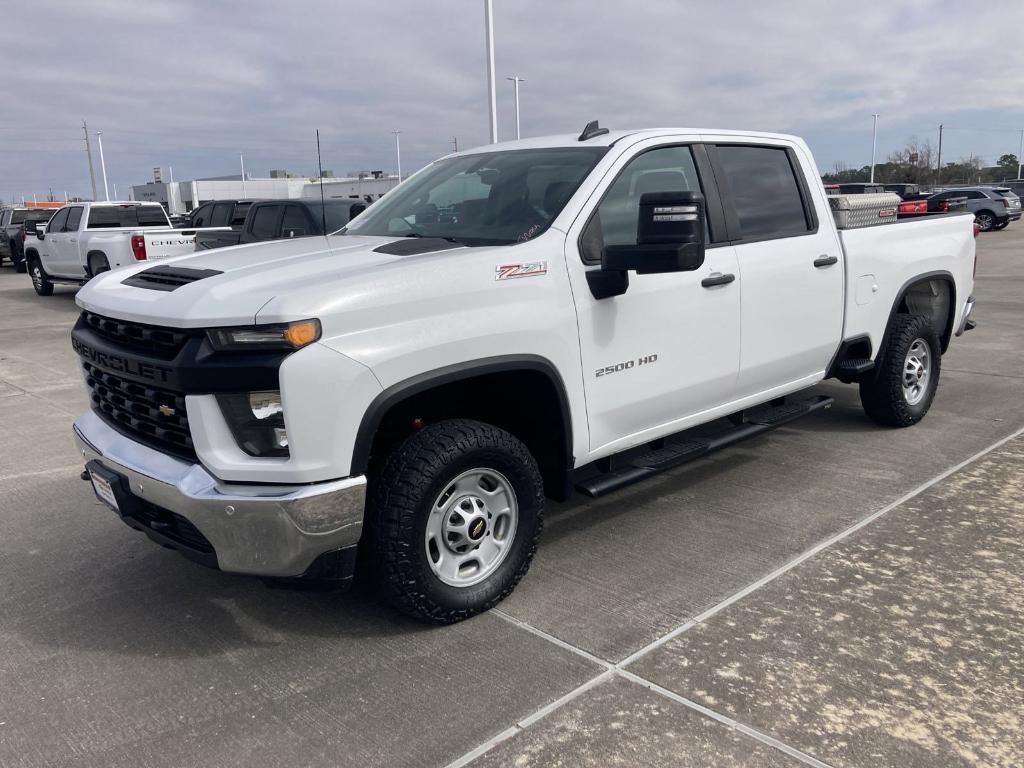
column 285, row 336
column 256, row 420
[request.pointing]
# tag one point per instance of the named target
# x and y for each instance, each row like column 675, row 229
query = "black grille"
column 156, row 416
column 170, row 525
column 163, row 342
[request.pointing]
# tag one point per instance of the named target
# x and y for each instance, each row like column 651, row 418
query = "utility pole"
column 516, row 80
column 88, row 151
column 938, row 164
column 455, row 143
column 874, row 134
column 492, row 103
column 103, row 165
column 398, row 153
column 241, row 160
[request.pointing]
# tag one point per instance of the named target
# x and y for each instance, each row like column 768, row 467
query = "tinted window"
column 295, row 223
column 971, row 194
column 201, row 215
column 338, row 214
column 74, row 219
column 221, row 215
column 58, row 220
column 123, row 216
column 264, row 222
column 765, row 191
column 17, row 217
column 238, row 219
column 669, row 169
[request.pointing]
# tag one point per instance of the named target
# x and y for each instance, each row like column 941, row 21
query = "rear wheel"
column 900, row 390
column 98, row 263
column 455, row 516
column 40, row 280
column 986, row 220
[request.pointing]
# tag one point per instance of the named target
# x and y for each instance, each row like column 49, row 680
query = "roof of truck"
column 610, row 138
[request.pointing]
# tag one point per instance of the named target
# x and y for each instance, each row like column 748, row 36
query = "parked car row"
column 79, row 241
column 994, row 207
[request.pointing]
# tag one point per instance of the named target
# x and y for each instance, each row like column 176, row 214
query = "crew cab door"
column 791, row 271
column 52, row 249
column 668, row 347
column 69, row 251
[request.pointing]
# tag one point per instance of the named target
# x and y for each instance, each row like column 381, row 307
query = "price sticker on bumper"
column 104, row 490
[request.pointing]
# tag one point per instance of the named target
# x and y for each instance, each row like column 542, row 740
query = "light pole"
column 516, row 80
column 874, row 134
column 492, row 103
column 241, row 161
column 103, row 165
column 398, row 153
column 1020, row 154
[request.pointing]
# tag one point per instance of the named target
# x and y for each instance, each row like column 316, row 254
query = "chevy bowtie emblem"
column 166, row 410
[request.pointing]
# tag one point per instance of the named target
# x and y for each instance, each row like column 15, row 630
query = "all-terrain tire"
column 401, row 498
column 40, row 280
column 882, row 393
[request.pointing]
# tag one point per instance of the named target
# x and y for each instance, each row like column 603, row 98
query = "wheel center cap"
column 477, row 528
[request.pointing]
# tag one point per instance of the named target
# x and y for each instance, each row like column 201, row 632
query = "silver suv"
column 993, row 207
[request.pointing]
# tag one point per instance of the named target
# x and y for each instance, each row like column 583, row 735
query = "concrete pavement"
column 116, row 652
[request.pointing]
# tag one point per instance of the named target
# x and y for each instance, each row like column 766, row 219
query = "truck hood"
column 298, row 273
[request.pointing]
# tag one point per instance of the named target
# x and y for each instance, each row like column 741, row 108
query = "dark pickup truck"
column 274, row 219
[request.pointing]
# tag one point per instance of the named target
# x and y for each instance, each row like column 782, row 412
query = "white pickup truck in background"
column 509, row 323
column 84, row 239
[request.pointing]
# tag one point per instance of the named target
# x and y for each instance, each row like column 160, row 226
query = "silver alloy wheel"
column 917, row 369
column 985, row 221
column 471, row 527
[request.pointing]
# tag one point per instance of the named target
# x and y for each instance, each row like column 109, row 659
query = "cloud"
column 193, row 84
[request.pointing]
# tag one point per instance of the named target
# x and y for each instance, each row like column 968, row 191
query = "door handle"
column 717, row 279
column 825, row 261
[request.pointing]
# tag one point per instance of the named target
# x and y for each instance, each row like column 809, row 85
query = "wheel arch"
column 88, row 259
column 523, row 394
column 909, row 301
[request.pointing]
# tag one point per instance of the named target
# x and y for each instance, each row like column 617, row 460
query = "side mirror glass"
column 670, row 236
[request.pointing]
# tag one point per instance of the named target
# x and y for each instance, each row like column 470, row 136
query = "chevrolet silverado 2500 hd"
column 83, row 239
column 510, row 322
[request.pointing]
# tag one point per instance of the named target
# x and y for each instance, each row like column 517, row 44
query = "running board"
column 755, row 422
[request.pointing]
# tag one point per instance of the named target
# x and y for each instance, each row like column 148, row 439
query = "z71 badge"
column 512, row 271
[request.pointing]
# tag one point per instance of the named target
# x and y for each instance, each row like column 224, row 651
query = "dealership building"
column 184, row 196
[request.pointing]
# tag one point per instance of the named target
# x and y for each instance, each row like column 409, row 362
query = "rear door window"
column 238, row 218
column 126, row 216
column 221, row 215
column 74, row 219
column 264, row 222
column 765, row 190
column 201, row 215
column 295, row 222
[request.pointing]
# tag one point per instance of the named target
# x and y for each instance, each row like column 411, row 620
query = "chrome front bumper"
column 966, row 323
column 264, row 530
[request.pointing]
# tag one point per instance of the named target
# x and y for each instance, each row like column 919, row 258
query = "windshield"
column 492, row 198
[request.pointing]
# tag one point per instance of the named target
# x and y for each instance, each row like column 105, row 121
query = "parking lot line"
column 619, row 668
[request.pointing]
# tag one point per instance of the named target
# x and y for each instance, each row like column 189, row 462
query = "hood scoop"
column 168, row 278
column 410, row 246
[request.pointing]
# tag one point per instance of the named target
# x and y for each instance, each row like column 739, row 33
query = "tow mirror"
column 670, row 236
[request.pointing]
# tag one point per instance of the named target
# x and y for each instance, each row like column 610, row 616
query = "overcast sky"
column 192, row 84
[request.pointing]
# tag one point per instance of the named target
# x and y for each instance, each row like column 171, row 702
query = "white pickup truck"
column 510, row 323
column 84, row 239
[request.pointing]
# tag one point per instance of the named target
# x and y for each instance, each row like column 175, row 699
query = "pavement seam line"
column 611, row 669
column 816, row 549
column 753, row 733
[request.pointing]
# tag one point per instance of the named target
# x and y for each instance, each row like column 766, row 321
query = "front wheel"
column 986, row 220
column 455, row 517
column 901, row 389
column 40, row 281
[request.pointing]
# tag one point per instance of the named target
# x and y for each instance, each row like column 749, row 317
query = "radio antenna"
column 320, row 170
